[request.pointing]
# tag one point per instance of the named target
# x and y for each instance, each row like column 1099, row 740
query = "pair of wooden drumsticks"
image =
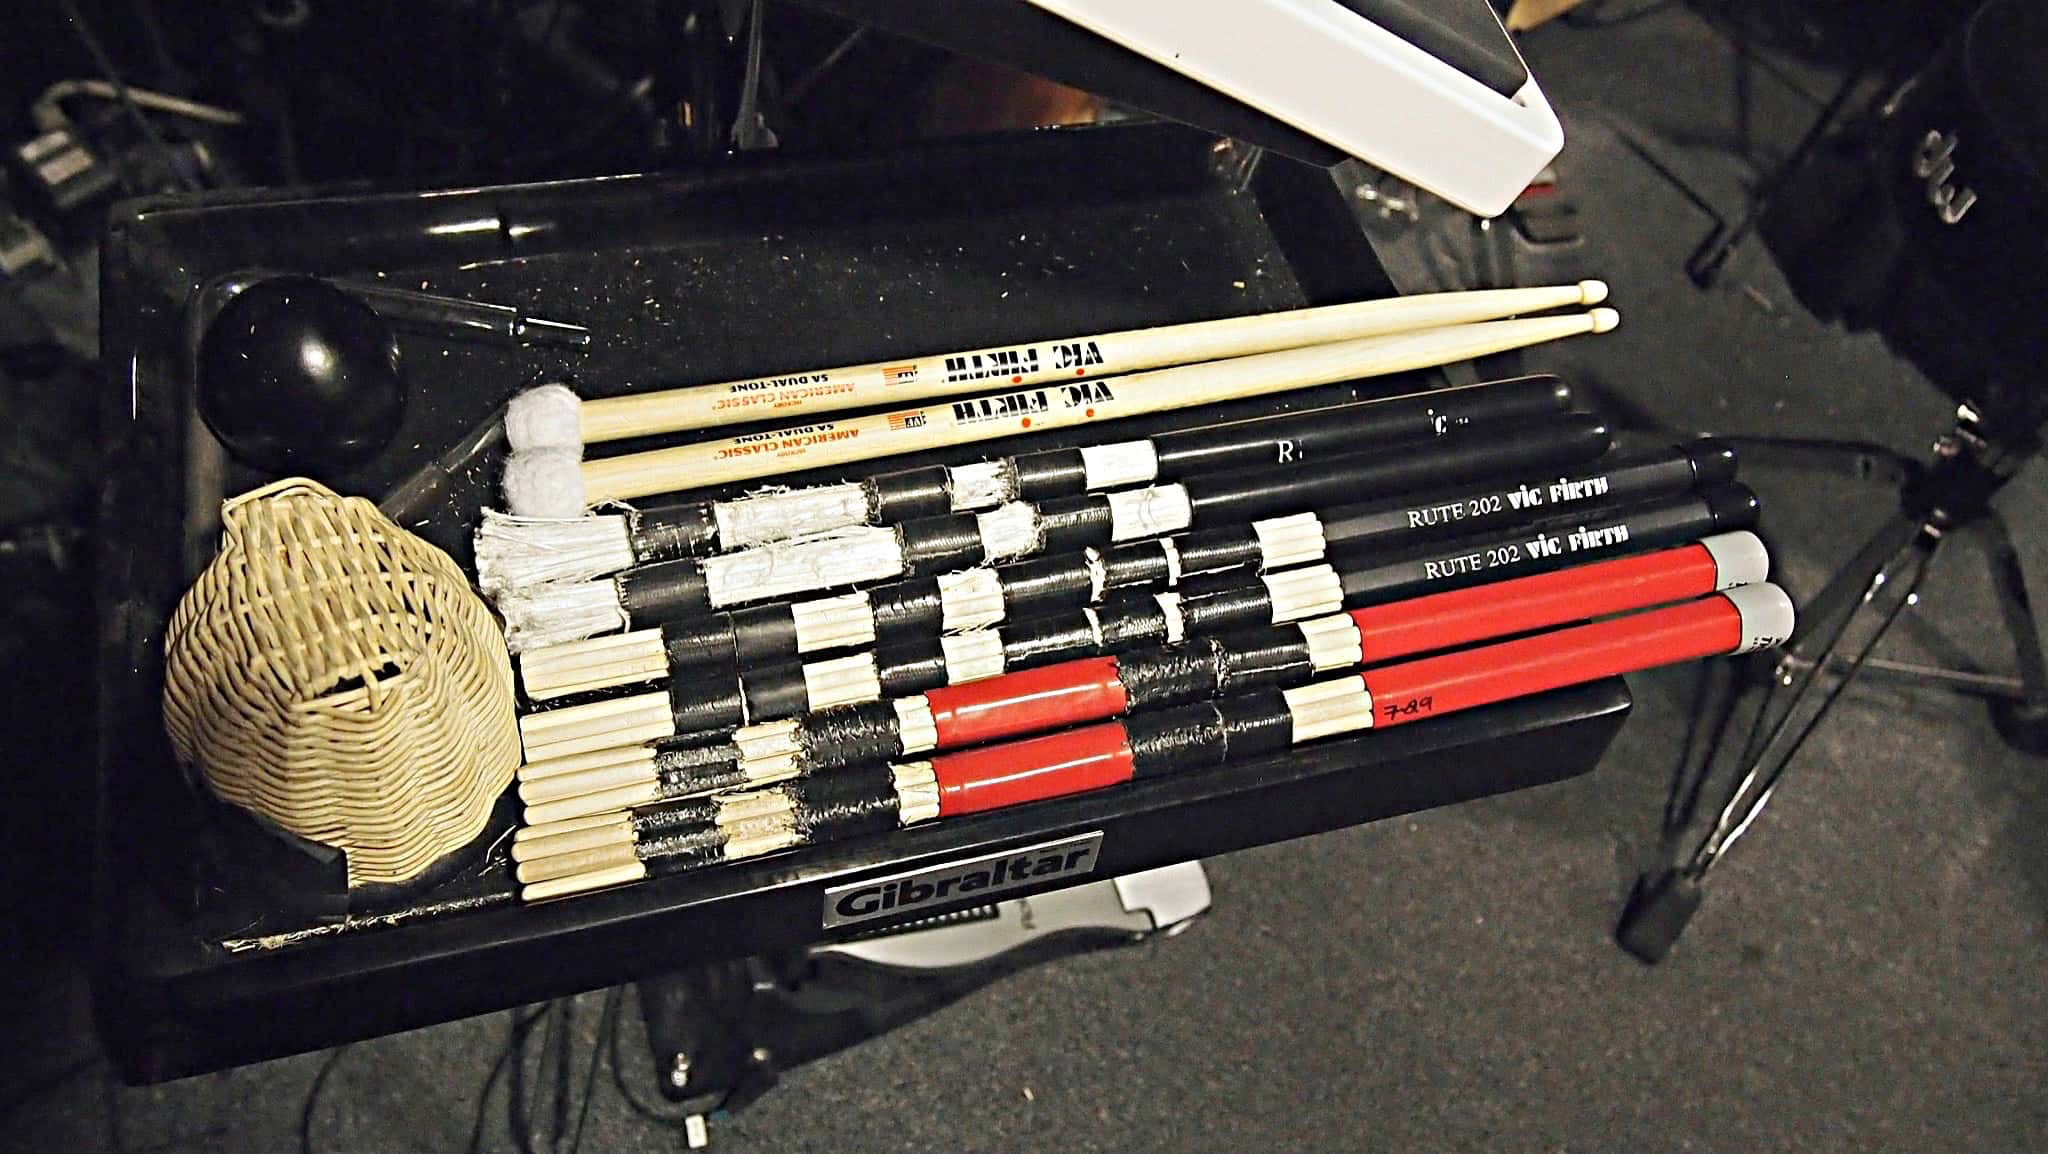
column 1045, row 385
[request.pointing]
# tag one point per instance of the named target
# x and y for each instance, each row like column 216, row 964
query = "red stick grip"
column 1034, row 769
column 1027, row 701
column 1414, row 690
column 1505, row 608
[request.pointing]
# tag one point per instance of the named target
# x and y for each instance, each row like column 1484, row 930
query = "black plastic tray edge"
column 157, row 1020
column 777, row 902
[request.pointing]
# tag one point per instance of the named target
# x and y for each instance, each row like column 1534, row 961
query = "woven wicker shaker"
column 335, row 674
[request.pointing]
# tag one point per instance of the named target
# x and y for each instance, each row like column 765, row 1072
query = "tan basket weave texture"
column 336, row 675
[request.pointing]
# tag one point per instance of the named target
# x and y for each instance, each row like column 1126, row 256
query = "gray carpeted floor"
column 1868, row 972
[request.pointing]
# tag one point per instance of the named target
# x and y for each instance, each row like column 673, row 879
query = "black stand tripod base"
column 1657, row 912
column 2022, row 722
column 1839, row 629
column 2023, row 725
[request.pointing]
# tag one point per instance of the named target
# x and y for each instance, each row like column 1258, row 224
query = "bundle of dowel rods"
column 725, row 734
column 712, row 679
column 571, row 785
column 701, row 698
column 599, row 850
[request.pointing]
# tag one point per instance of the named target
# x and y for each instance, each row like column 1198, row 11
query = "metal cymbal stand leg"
column 1837, row 633
column 2021, row 721
column 1889, row 571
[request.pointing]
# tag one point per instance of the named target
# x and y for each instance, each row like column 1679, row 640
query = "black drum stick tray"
column 210, row 954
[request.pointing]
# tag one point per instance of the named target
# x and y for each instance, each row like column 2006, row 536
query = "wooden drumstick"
column 948, row 424
column 555, row 418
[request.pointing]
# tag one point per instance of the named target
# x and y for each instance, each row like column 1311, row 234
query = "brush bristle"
column 516, row 553
column 561, row 612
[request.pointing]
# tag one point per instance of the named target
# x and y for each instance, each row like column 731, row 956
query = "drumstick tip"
column 1592, row 292
column 1740, row 558
column 1604, row 320
column 1766, row 614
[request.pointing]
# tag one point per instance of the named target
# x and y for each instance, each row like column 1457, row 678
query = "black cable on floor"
column 565, row 1042
column 608, row 1015
column 520, row 1027
column 518, row 1118
column 312, row 1102
column 557, row 1042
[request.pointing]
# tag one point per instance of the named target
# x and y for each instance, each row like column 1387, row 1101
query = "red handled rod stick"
column 1736, row 621
column 1093, row 689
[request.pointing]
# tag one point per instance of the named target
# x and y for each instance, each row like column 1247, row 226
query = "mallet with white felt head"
column 555, row 418
column 553, row 482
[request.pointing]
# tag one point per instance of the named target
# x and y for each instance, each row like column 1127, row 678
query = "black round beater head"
column 296, row 374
